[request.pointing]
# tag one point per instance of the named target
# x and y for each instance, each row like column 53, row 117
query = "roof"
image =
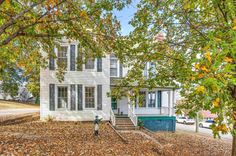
column 207, row 114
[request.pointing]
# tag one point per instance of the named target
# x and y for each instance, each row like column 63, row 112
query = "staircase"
column 124, row 123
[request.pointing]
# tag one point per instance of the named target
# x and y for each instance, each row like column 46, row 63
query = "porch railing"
column 155, row 111
column 113, row 117
column 132, row 115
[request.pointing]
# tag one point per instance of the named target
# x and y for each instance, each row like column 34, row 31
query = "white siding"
column 86, row 78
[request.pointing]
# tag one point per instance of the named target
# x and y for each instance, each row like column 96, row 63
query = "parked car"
column 185, row 120
column 206, row 124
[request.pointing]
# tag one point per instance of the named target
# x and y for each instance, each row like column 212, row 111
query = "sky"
column 125, row 15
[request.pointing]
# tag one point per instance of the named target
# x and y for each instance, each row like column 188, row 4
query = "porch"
column 158, row 102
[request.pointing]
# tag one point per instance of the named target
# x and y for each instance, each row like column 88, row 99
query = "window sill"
column 89, row 109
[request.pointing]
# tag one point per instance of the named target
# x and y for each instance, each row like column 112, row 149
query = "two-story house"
column 83, row 93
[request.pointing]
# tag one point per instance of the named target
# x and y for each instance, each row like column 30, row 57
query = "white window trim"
column 68, row 56
column 56, row 97
column 95, row 98
column 118, row 68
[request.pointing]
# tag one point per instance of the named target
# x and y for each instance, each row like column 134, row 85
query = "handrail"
column 132, row 115
column 113, row 117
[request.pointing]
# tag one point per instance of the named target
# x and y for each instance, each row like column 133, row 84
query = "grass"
column 4, row 105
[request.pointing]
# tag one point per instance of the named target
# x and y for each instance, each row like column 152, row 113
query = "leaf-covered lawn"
column 16, row 105
column 76, row 138
column 60, row 138
column 184, row 144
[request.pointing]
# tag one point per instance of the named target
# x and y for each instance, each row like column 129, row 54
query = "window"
column 113, row 103
column 142, row 99
column 113, row 66
column 62, row 56
column 89, row 64
column 151, row 99
column 62, row 97
column 89, row 97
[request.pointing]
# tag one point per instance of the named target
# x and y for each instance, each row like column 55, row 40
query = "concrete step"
column 124, row 123
column 117, row 121
column 125, row 128
column 126, row 120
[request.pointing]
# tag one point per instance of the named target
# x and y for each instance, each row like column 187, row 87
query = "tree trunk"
column 197, row 123
column 234, row 144
column 234, row 137
column 234, row 110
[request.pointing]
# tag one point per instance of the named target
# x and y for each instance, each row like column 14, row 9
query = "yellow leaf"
column 234, row 28
column 201, row 75
column 217, row 39
column 186, row 5
column 83, row 14
column 234, row 22
column 197, row 66
column 204, row 68
column 200, row 89
column 216, row 102
column 228, row 59
column 206, row 48
column 208, row 56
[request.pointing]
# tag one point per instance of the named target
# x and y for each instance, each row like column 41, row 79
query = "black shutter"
column 52, row 61
column 99, row 97
column 52, row 97
column 80, row 97
column 121, row 70
column 159, row 96
column 72, row 57
column 99, row 64
column 72, row 97
column 79, row 59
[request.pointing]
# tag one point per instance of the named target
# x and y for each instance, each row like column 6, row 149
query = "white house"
column 83, row 93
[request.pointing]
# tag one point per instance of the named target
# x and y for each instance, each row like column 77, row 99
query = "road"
column 202, row 131
column 10, row 112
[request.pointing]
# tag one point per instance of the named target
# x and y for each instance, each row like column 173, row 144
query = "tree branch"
column 1, row 1
column 12, row 21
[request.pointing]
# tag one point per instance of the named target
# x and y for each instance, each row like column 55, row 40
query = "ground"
column 184, row 144
column 16, row 105
column 76, row 138
column 9, row 109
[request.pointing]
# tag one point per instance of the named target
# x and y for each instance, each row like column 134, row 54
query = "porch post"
column 128, row 97
column 169, row 102
column 173, row 102
column 133, row 108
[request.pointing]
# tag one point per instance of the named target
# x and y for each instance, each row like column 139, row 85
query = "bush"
column 49, row 118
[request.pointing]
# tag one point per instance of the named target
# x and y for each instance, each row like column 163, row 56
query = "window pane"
column 89, row 64
column 113, row 66
column 113, row 72
column 62, row 97
column 62, row 56
column 113, row 63
column 151, row 99
column 89, row 97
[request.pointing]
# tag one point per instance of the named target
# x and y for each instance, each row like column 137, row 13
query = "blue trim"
column 159, row 123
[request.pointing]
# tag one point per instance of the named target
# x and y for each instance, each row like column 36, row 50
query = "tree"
column 10, row 82
column 28, row 27
column 192, row 46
